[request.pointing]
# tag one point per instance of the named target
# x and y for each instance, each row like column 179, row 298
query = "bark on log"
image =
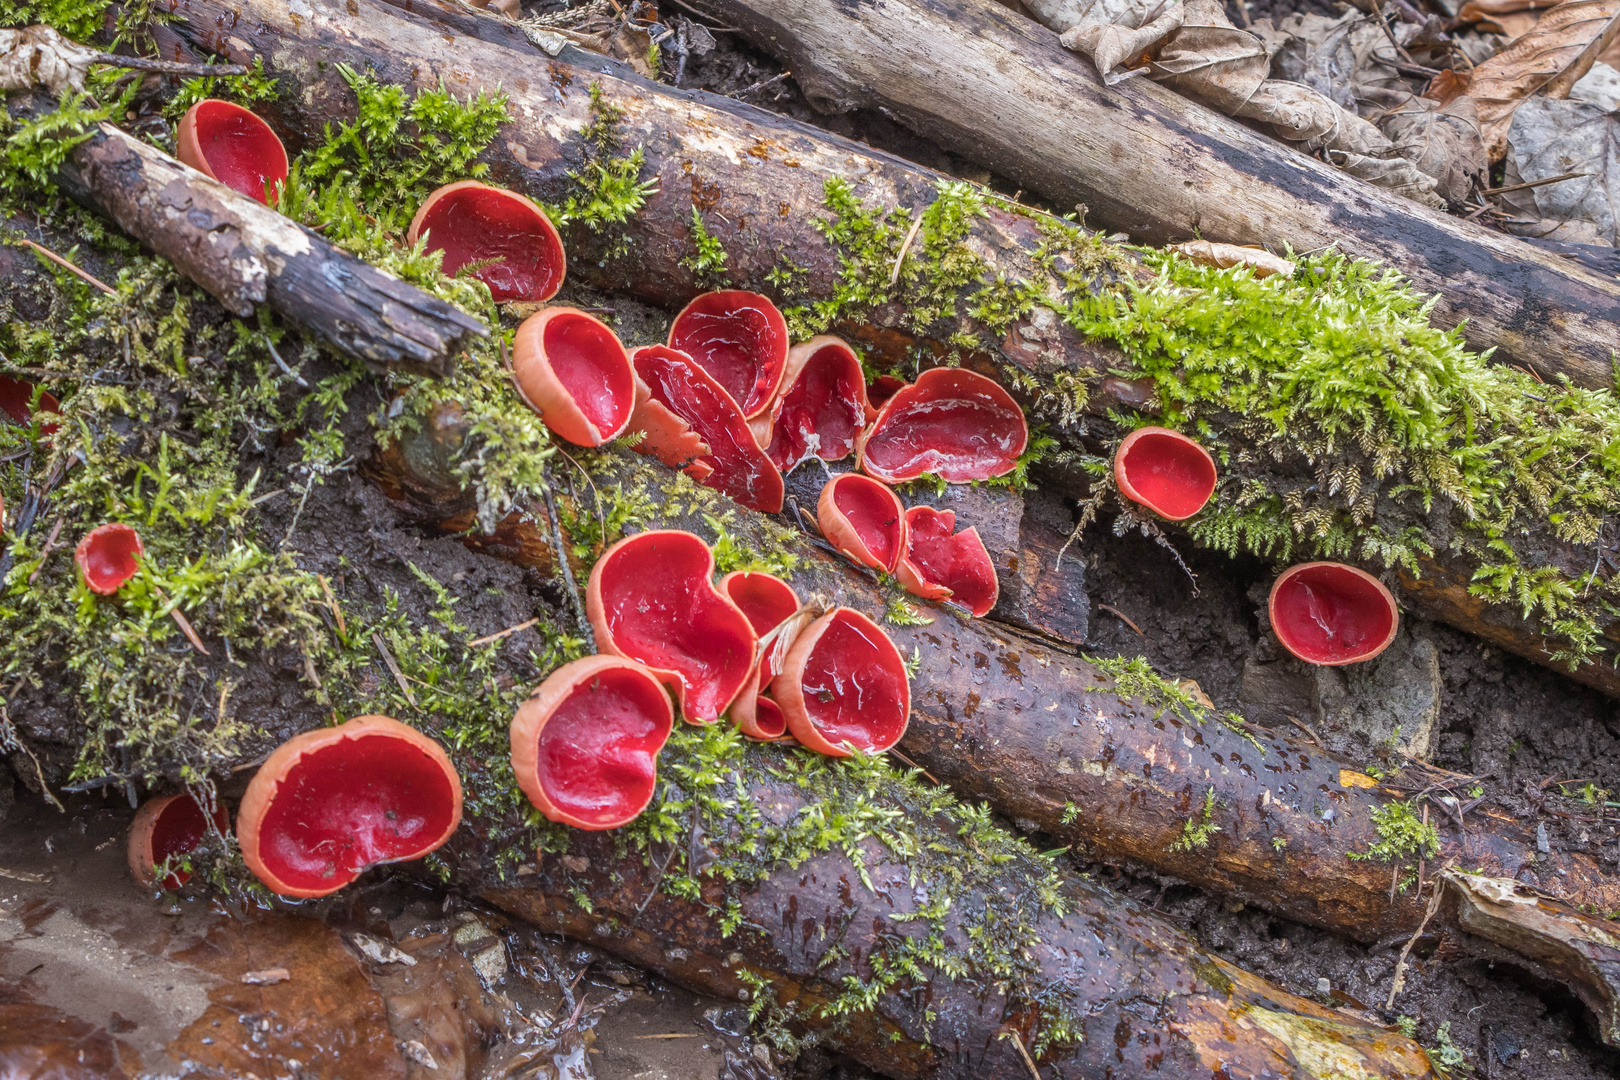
column 245, row 254
column 757, row 180
column 1146, row 1000
column 998, row 88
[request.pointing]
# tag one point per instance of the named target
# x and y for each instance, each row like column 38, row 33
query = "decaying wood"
column 757, row 180
column 245, row 254
column 1149, row 1001
column 998, row 88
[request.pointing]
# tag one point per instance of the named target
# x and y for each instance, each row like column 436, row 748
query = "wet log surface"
column 245, row 254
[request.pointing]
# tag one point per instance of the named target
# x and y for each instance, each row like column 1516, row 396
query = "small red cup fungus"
column 166, row 828
column 681, row 389
column 844, row 684
column 585, row 746
column 108, row 556
column 471, row 222
column 864, row 519
column 939, row 564
column 741, row 339
column 953, row 423
column 1165, row 471
column 234, row 146
column 17, row 401
column 821, row 407
column 768, row 602
column 1330, row 614
column 330, row 803
column 651, row 598
column 574, row 372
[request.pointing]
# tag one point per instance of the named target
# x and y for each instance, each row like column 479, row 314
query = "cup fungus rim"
column 1129, row 491
column 81, row 555
column 834, row 523
column 778, row 321
column 549, row 397
column 912, row 580
column 936, row 375
column 1355, row 571
column 142, row 864
column 789, row 692
column 188, row 146
column 444, row 191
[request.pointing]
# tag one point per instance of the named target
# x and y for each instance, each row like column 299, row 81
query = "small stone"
column 490, row 963
column 579, row 864
column 1543, row 845
column 1324, row 986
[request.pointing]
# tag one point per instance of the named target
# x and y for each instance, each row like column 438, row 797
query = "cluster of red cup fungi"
column 1324, row 613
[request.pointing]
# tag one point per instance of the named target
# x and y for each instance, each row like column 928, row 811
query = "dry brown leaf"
column 1113, row 46
column 1394, row 173
column 1513, row 24
column 1549, row 59
column 1448, row 86
column 39, row 56
column 1551, row 138
column 1441, row 140
column 1211, row 60
column 1475, row 10
column 1226, row 256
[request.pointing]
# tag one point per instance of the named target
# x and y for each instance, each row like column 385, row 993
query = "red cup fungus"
column 1330, row 614
column 651, row 598
column 330, row 803
column 882, row 388
column 767, row 601
column 864, row 519
column 165, row 828
column 940, row 564
column 585, row 746
column 741, row 339
column 680, row 389
column 821, row 407
column 574, row 372
column 108, row 556
column 520, row 249
column 844, row 684
column 17, row 402
column 234, row 146
column 1165, row 471
column 953, row 423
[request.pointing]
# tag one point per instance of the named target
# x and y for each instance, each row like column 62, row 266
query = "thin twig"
column 1122, row 617
column 168, row 67
column 64, row 264
column 762, row 84
column 1019, row 1043
column 561, row 555
column 1303, row 726
column 905, row 246
column 282, row 364
column 914, row 765
column 393, row 668
column 1534, row 183
column 498, row 635
column 1400, row 964
column 181, row 621
column 44, row 552
column 331, row 602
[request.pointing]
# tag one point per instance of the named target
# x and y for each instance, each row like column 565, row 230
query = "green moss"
column 707, row 259
column 1196, row 831
column 608, row 188
column 731, row 554
column 1402, row 836
column 77, row 19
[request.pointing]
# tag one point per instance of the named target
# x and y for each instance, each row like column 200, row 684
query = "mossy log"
column 1106, row 756
column 246, row 254
column 821, row 223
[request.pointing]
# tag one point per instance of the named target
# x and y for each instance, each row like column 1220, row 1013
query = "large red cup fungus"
column 741, row 339
column 939, row 564
column 332, row 802
column 680, row 389
column 651, row 599
column 844, row 684
column 1330, row 614
column 1165, row 471
column 17, row 402
column 767, row 601
column 232, row 145
column 955, row 424
column 574, row 372
column 864, row 519
column 821, row 407
column 167, row 828
column 519, row 248
column 585, row 746
column 108, row 556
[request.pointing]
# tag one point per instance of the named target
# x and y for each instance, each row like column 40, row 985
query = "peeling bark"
column 245, row 254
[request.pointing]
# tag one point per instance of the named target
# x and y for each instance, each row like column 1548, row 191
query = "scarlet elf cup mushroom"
column 940, row 564
column 1165, row 471
column 821, row 407
column 512, row 244
column 108, row 556
column 864, row 519
column 768, row 602
column 585, row 746
column 330, row 803
column 956, row 424
column 574, row 372
column 1330, row 614
column 844, row 686
column 165, row 829
column 740, row 339
column 234, row 146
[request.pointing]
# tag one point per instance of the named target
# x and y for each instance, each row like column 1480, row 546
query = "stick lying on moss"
column 1347, row 427
column 246, row 254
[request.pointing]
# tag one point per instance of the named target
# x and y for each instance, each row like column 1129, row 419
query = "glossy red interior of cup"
column 520, row 252
column 882, row 388
column 940, row 564
column 169, row 827
column 1331, row 614
column 16, row 402
column 234, row 146
column 573, row 371
column 679, row 387
column 585, row 746
column 330, row 803
column 1165, row 471
column 651, row 598
column 767, row 601
column 822, row 405
column 864, row 519
column 842, row 685
column 952, row 423
column 108, row 556
column 738, row 337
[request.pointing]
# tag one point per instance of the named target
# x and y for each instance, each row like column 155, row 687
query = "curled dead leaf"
column 39, row 56
column 1113, row 47
column 1225, row 256
column 1443, row 141
column 1550, row 138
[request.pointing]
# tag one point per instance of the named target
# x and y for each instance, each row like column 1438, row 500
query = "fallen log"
column 996, row 87
column 245, row 254
column 820, row 222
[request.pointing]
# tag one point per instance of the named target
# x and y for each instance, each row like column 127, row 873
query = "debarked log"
column 245, row 254
column 1067, row 748
column 758, row 183
column 1084, row 981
